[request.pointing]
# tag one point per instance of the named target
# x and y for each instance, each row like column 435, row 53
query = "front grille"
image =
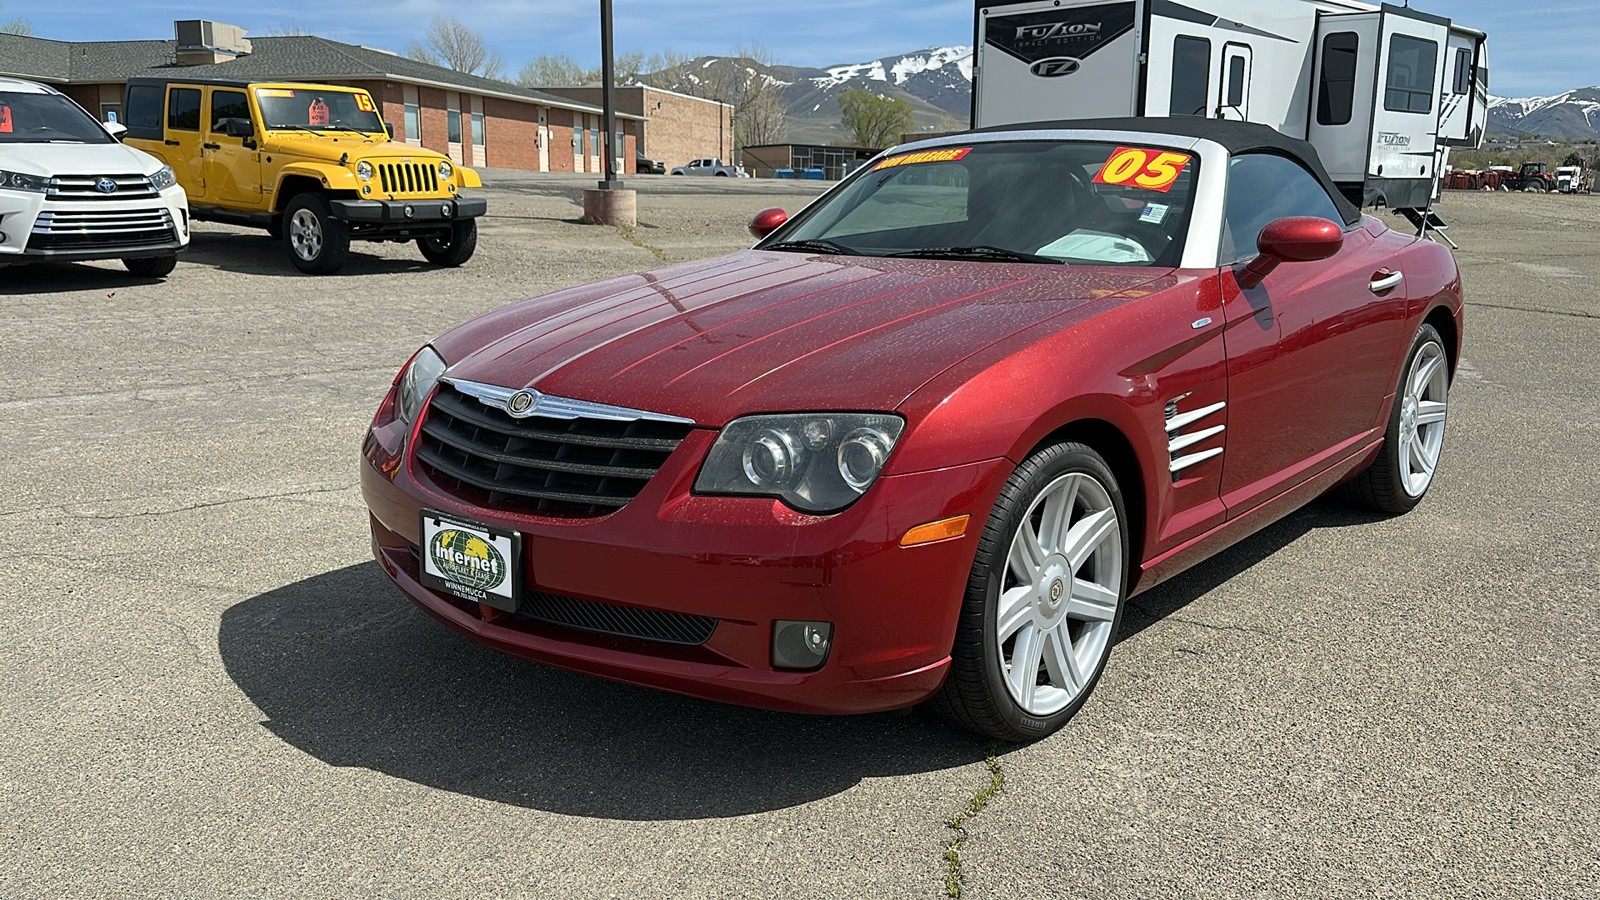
column 101, row 228
column 578, row 467
column 608, row 618
column 84, row 187
column 409, row 178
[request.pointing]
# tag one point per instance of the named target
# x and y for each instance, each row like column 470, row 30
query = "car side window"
column 228, row 105
column 1263, row 187
column 183, row 109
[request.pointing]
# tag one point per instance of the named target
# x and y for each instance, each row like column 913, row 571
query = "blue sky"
column 1535, row 48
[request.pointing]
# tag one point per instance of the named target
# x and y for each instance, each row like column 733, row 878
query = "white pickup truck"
column 711, row 166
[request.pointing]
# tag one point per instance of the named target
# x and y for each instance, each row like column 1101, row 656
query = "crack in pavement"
column 957, row 825
column 627, row 232
column 167, row 512
column 1244, row 628
column 1549, row 311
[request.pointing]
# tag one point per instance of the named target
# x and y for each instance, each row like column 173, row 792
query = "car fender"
column 468, row 177
column 332, row 177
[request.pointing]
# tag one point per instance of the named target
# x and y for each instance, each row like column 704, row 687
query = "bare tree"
column 16, row 26
column 875, row 120
column 745, row 81
column 450, row 43
column 289, row 28
column 555, row 71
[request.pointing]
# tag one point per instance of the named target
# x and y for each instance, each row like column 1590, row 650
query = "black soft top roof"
column 1237, row 137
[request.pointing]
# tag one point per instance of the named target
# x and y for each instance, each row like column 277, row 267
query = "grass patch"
column 630, row 234
column 957, row 825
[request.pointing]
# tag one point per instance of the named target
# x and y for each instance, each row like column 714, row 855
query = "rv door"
column 1047, row 60
column 1465, row 92
column 1405, row 122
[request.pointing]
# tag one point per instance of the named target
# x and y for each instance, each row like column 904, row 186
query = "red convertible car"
column 925, row 439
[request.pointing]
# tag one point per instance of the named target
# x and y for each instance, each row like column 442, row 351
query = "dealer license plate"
column 479, row 563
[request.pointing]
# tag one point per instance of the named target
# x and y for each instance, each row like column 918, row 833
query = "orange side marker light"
column 942, row 530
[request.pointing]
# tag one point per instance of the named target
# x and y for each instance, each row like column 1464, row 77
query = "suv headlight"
column 417, row 383
column 364, row 170
column 815, row 462
column 446, row 170
column 163, row 178
column 17, row 181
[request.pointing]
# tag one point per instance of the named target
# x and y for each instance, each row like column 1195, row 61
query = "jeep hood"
column 765, row 331
column 336, row 144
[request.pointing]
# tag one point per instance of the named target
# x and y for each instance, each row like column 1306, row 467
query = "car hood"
column 76, row 159
column 766, row 332
column 337, row 144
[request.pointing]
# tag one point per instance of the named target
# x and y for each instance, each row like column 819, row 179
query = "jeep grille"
column 408, row 178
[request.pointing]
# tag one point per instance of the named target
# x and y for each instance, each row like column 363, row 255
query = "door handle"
column 211, row 146
column 1385, row 281
column 170, row 143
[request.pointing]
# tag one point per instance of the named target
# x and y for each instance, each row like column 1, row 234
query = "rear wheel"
column 454, row 248
column 1397, row 480
column 1043, row 601
column 317, row 242
column 152, row 266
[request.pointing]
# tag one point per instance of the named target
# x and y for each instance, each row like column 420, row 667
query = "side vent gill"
column 1185, row 430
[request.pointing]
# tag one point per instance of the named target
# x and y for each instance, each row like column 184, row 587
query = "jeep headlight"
column 163, row 178
column 417, row 383
column 364, row 170
column 446, row 170
column 17, row 181
column 815, row 462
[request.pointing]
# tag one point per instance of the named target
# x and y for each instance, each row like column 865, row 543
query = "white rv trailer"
column 1382, row 92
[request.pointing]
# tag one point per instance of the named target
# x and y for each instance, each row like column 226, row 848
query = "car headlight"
column 815, row 462
column 364, row 170
column 163, row 178
column 446, row 170
column 417, row 383
column 17, row 181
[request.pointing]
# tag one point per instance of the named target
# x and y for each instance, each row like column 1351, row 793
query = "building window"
column 594, row 142
column 1191, row 77
column 577, row 146
column 453, row 118
column 183, row 109
column 1336, row 93
column 413, row 123
column 478, row 136
column 1411, row 65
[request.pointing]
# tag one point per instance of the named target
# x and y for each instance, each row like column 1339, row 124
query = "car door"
column 232, row 169
column 1311, row 348
column 183, row 138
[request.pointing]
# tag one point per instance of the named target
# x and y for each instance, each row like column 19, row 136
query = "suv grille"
column 581, row 467
column 609, row 618
column 82, row 187
column 101, row 228
column 408, row 178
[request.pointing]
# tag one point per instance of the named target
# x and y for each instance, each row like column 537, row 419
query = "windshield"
column 1031, row 201
column 318, row 110
column 39, row 118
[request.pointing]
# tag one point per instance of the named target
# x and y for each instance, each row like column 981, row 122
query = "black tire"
column 975, row 695
column 152, row 266
column 454, row 249
column 1382, row 486
column 720, row 174
column 317, row 242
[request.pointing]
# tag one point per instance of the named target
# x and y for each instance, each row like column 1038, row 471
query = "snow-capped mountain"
column 1573, row 114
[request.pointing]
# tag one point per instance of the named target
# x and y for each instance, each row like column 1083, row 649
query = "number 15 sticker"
column 1153, row 170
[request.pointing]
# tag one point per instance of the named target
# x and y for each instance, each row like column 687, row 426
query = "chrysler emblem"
column 106, row 185
column 523, row 403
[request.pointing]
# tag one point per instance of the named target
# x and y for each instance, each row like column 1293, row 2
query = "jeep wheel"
column 152, row 266
column 317, row 242
column 454, row 248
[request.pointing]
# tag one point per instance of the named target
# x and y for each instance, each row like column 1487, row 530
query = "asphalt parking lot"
column 207, row 688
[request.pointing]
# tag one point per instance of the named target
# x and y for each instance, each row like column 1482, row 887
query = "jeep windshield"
column 317, row 110
column 1035, row 201
column 27, row 118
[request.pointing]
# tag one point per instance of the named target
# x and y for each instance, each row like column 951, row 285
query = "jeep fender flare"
column 329, row 176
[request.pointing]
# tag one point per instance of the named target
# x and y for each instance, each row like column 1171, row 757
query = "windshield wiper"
column 833, row 247
column 996, row 254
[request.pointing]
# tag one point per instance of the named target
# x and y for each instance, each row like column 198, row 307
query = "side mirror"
column 389, row 129
column 1291, row 239
column 239, row 128
column 767, row 221
column 115, row 129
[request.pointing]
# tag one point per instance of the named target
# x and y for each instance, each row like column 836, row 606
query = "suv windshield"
column 318, row 109
column 1028, row 201
column 38, row 118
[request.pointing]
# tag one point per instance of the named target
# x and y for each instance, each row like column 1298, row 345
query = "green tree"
column 15, row 26
column 1572, row 159
column 874, row 120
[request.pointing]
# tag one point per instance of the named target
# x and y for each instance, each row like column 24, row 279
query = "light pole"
column 608, row 99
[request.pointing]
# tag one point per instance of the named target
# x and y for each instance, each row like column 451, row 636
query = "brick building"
column 477, row 121
column 675, row 128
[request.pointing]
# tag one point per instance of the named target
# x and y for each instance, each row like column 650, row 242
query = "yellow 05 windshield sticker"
column 365, row 102
column 274, row 92
column 1152, row 170
column 948, row 154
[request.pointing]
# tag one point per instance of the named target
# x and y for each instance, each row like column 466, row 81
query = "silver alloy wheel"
column 305, row 234
column 1059, row 596
column 1422, row 416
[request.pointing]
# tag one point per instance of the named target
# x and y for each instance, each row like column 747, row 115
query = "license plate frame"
column 490, row 575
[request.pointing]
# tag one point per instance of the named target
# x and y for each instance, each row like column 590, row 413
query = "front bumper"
column 22, row 234
column 408, row 213
column 743, row 561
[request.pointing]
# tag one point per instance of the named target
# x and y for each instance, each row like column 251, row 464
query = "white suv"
column 70, row 191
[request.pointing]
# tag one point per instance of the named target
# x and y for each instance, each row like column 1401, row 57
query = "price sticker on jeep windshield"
column 948, row 154
column 1152, row 170
column 365, row 102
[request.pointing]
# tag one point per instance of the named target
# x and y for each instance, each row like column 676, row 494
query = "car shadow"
column 346, row 670
column 51, row 278
column 257, row 253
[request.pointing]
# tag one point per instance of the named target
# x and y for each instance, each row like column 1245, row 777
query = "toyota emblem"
column 106, row 185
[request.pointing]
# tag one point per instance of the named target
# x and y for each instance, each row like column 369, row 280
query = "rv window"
column 1411, row 66
column 1191, row 77
column 1263, row 187
column 1463, row 79
column 1236, row 82
column 1336, row 93
column 183, row 109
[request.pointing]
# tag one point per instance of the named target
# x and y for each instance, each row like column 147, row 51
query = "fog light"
column 366, row 189
column 800, row 645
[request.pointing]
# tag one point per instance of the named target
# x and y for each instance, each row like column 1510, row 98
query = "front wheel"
column 1397, row 480
column 1043, row 601
column 152, row 266
column 318, row 243
column 451, row 249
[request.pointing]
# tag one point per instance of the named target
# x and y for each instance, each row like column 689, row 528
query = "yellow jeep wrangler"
column 313, row 164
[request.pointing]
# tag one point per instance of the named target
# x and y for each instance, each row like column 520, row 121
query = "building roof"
column 292, row 58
